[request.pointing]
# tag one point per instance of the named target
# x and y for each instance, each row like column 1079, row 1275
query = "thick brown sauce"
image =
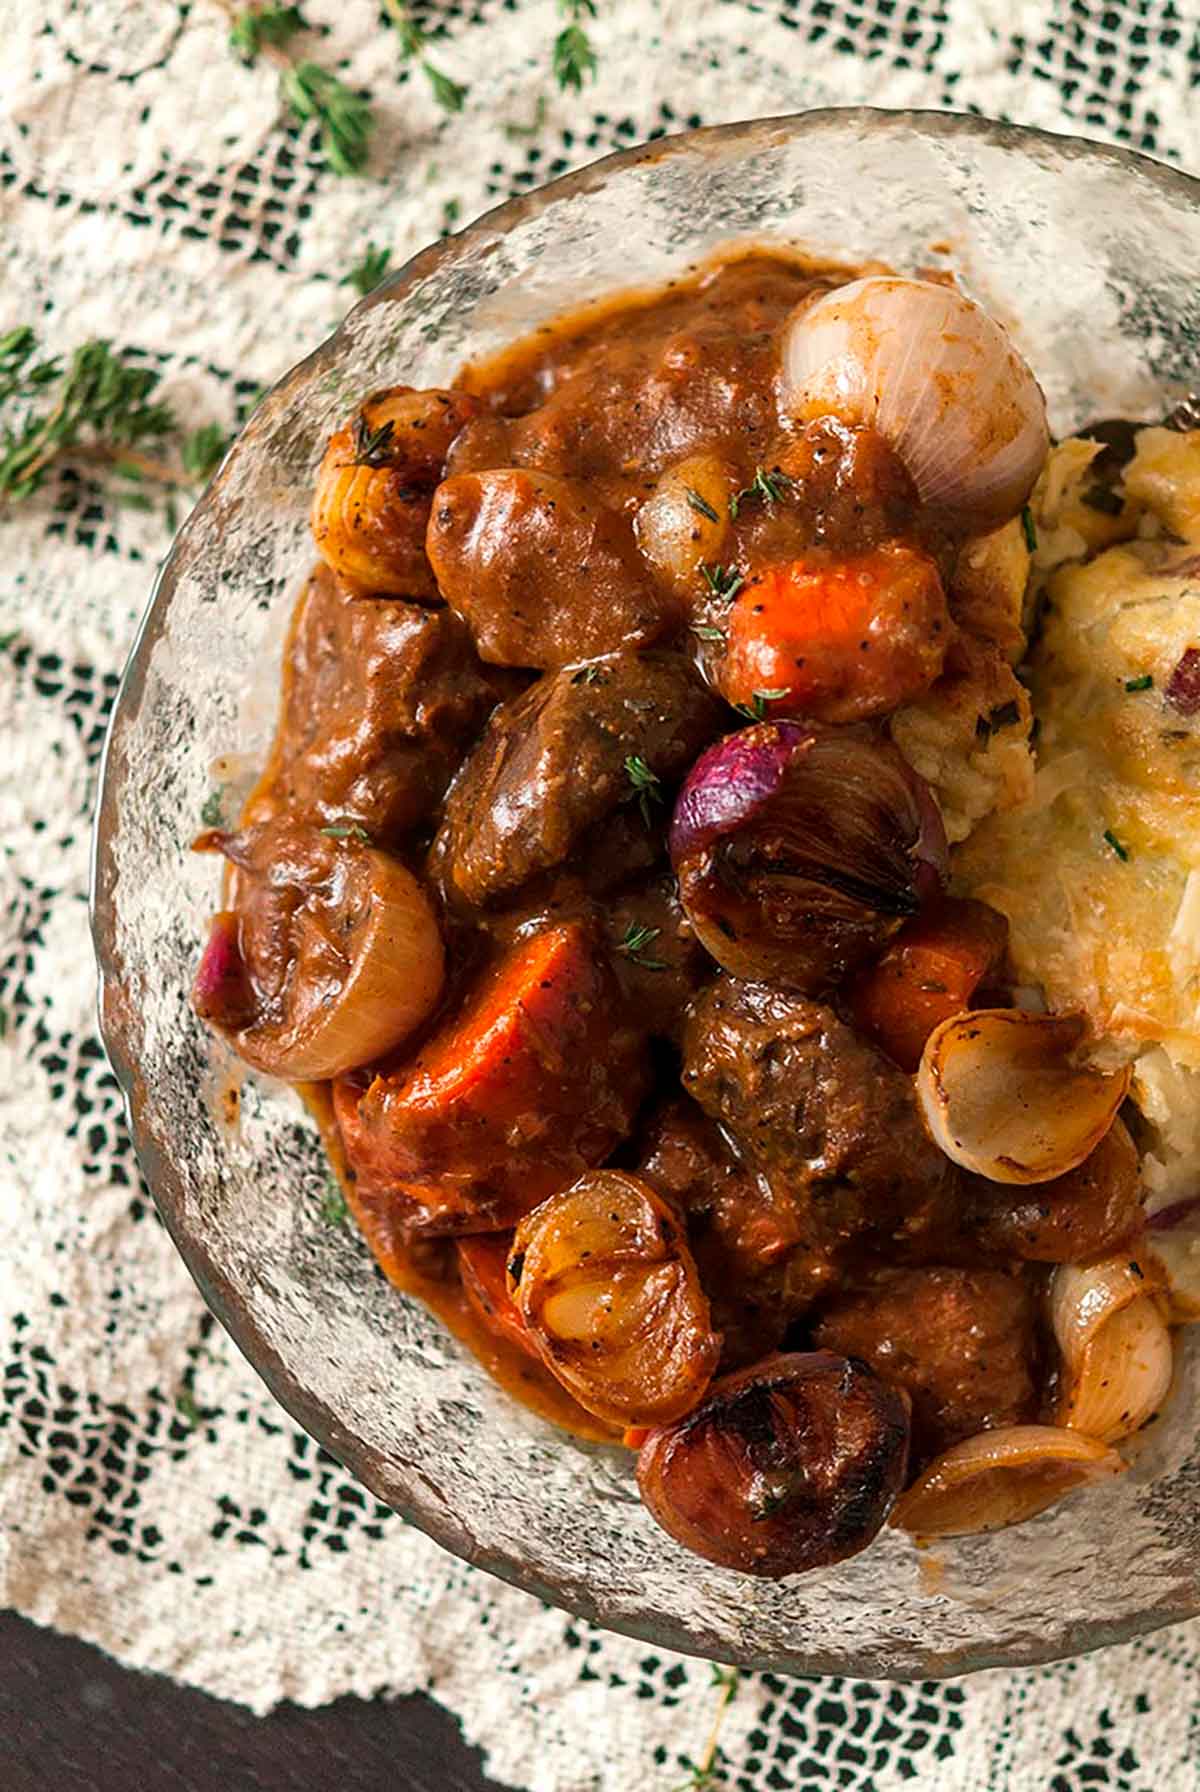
column 595, row 398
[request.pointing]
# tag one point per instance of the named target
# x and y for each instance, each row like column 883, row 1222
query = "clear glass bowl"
column 1092, row 256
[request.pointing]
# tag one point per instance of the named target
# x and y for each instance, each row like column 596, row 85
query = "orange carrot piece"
column 928, row 972
column 482, row 1265
column 837, row 640
column 533, row 1081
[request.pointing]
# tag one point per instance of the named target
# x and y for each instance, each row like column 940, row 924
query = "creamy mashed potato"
column 1097, row 862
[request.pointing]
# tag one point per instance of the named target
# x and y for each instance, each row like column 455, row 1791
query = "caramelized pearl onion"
column 799, row 850
column 789, row 1465
column 603, row 1279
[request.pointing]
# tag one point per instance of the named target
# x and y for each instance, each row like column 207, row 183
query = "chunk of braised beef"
column 821, row 1111
column 561, row 758
column 380, row 699
column 960, row 1342
column 760, row 1260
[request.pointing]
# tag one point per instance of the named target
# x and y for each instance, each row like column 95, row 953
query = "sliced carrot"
column 928, row 972
column 837, row 640
column 534, row 1080
column 482, row 1265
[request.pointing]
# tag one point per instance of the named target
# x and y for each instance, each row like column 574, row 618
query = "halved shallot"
column 329, row 956
column 1003, row 1096
column 1002, row 1477
column 933, row 374
column 1117, row 1358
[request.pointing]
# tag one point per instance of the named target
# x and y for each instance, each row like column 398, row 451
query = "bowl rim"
column 406, row 1495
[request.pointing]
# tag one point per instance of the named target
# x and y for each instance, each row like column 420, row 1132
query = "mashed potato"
column 1097, row 863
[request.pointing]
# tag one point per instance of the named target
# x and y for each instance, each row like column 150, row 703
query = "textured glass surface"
column 1091, row 256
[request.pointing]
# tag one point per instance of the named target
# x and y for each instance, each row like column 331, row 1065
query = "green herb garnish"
column 260, row 26
column 98, row 410
column 574, row 59
column 699, row 502
column 203, row 451
column 334, row 1211
column 373, row 447
column 769, row 486
column 1122, row 852
column 634, row 945
column 413, row 42
column 646, row 784
column 723, row 581
column 1029, row 528
column 367, row 274
column 1139, row 684
column 347, row 830
column 185, row 1406
column 708, row 631
column 317, row 96
column 756, row 709
column 590, row 675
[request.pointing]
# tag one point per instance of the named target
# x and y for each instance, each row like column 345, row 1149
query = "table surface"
column 72, row 1720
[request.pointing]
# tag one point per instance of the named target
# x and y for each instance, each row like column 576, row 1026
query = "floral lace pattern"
column 153, row 1498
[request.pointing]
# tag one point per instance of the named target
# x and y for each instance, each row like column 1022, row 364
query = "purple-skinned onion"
column 799, row 850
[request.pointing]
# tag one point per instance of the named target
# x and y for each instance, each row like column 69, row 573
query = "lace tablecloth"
column 152, row 1496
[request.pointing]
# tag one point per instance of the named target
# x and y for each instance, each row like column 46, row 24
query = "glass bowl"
column 1092, row 256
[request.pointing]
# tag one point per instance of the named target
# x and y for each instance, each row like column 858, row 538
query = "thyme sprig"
column 312, row 93
column 723, row 581
column 770, row 486
column 574, row 58
column 702, row 1774
column 647, row 785
column 756, row 709
column 635, row 946
column 98, row 410
column 334, row 1211
column 413, row 42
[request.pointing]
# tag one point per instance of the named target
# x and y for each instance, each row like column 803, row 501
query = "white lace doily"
column 152, row 1497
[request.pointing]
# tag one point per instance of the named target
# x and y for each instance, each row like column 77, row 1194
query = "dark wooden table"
column 71, row 1720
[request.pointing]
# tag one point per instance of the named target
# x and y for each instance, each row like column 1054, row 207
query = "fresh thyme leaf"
column 1122, row 852
column 756, row 709
column 365, row 277
column 574, row 59
column 518, row 133
column 317, row 95
column 185, row 1406
column 590, row 675
column 7, row 640
column 373, row 447
column 347, row 830
column 723, row 581
column 700, row 503
column 203, row 451
column 260, row 25
column 1139, row 684
column 210, row 814
column 451, row 213
column 646, row 784
column 413, row 41
column 449, row 94
column 634, row 945
column 708, row 631
column 1030, row 529
column 334, row 1211
column 769, row 486
column 729, row 1678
